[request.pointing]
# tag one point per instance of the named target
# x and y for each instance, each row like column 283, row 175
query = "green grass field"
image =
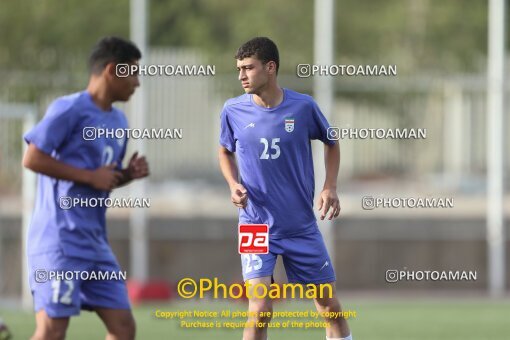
column 435, row 319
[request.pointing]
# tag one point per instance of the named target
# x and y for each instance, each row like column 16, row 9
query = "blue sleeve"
column 54, row 129
column 226, row 133
column 319, row 125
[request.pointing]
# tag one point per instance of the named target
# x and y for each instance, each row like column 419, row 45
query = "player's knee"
column 49, row 333
column 261, row 310
column 49, row 328
column 123, row 329
column 328, row 306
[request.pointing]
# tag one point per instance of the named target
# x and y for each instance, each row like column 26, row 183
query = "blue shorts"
column 305, row 258
column 66, row 296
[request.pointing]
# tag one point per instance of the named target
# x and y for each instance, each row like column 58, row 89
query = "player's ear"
column 109, row 70
column 271, row 67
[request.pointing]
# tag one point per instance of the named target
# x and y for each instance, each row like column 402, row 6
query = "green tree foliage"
column 44, row 34
column 419, row 35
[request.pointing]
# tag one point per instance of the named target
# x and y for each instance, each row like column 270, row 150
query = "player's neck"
column 270, row 97
column 100, row 95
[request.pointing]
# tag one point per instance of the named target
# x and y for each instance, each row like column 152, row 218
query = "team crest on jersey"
column 289, row 124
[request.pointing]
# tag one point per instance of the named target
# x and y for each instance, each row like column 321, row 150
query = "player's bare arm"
column 104, row 178
column 238, row 193
column 328, row 202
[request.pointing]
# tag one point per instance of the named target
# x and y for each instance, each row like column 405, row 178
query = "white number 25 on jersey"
column 275, row 148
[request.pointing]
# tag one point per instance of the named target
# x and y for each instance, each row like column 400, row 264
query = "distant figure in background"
column 72, row 163
column 4, row 331
column 268, row 130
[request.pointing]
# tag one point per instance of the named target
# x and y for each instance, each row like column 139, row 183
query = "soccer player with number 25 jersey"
column 73, row 164
column 266, row 159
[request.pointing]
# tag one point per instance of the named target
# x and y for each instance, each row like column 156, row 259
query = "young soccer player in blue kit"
column 71, row 163
column 268, row 131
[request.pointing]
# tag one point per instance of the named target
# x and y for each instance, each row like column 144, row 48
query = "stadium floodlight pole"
column 496, row 238
column 323, row 94
column 138, row 218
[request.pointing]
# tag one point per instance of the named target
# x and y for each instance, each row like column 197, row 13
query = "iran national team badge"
column 289, row 124
column 253, row 239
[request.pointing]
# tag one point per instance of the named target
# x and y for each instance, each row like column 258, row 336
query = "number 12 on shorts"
column 253, row 239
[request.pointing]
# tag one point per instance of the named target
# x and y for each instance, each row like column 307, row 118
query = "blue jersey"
column 79, row 231
column 274, row 156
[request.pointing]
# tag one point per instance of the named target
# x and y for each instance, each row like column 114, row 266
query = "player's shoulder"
column 297, row 97
column 66, row 104
column 120, row 115
column 117, row 111
column 240, row 101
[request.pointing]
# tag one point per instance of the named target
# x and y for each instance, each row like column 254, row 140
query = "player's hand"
column 138, row 167
column 105, row 178
column 329, row 202
column 239, row 195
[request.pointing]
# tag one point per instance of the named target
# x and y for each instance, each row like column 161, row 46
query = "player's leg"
column 109, row 299
column 119, row 323
column 56, row 296
column 259, row 309
column 330, row 307
column 257, row 270
column 48, row 328
column 306, row 261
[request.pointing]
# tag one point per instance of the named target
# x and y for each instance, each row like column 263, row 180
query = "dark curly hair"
column 262, row 48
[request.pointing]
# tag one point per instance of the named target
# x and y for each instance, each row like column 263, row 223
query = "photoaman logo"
column 253, row 239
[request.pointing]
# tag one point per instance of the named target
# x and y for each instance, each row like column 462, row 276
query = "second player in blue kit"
column 266, row 158
column 74, row 162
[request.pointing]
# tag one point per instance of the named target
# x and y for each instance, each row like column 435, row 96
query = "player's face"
column 253, row 75
column 123, row 87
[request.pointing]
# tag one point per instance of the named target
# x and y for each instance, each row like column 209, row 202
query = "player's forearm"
column 332, row 162
column 228, row 167
column 42, row 163
column 126, row 178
